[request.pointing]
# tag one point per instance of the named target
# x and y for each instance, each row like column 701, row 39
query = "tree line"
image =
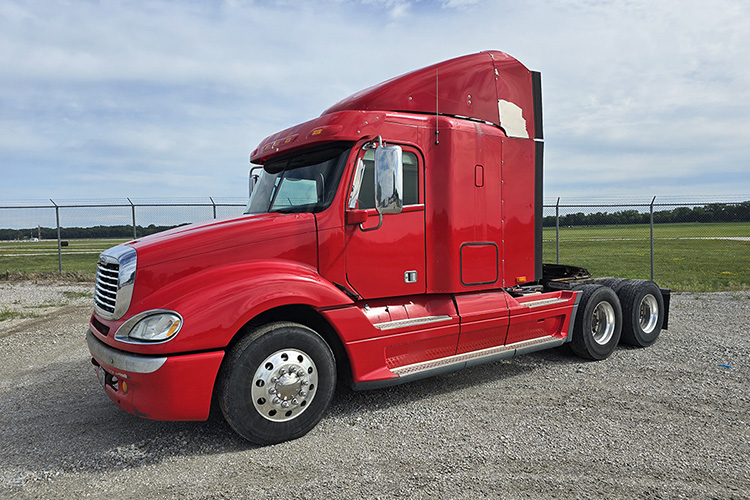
column 713, row 212
column 74, row 233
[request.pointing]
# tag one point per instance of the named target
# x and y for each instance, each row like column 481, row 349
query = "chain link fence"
column 702, row 244
column 699, row 244
column 67, row 235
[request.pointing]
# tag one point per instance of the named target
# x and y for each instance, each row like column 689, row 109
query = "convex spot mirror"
column 389, row 179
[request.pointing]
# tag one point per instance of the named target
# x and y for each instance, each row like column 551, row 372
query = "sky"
column 166, row 99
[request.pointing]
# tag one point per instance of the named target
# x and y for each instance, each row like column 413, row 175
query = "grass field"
column 80, row 256
column 688, row 257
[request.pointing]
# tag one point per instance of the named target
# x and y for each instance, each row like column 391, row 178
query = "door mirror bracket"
column 380, row 223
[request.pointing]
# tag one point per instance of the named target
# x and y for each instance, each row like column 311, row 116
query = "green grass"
column 641, row 231
column 7, row 314
column 683, row 261
column 32, row 257
column 77, row 295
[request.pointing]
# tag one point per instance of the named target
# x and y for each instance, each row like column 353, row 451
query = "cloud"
column 181, row 92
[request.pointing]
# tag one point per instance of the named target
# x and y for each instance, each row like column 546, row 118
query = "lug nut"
column 276, row 401
column 303, row 393
column 282, row 371
column 272, row 390
column 285, row 404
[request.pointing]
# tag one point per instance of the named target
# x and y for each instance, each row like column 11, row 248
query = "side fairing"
column 464, row 189
column 488, row 86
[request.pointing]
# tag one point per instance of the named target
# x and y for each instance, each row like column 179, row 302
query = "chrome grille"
column 115, row 278
column 107, row 278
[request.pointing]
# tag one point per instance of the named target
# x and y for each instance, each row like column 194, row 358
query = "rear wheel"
column 642, row 312
column 598, row 322
column 277, row 383
column 614, row 283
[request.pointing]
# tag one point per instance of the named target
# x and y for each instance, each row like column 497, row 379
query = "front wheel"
column 598, row 322
column 277, row 383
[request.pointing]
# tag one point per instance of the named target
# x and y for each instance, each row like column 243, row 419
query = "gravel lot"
column 669, row 421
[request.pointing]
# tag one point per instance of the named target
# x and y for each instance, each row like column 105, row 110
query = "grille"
column 107, row 278
column 115, row 277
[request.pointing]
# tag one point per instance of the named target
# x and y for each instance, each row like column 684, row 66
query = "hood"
column 216, row 235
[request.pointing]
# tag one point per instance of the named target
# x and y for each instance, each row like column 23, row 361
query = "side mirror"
column 389, row 180
column 253, row 176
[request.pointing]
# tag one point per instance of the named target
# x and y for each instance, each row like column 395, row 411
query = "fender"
column 217, row 302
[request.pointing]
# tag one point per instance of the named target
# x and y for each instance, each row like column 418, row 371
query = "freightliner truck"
column 396, row 236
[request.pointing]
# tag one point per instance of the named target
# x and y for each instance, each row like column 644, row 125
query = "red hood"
column 212, row 236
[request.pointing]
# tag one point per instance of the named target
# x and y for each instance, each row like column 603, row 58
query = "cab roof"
column 489, row 86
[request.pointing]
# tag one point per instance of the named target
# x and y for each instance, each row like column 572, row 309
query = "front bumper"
column 177, row 387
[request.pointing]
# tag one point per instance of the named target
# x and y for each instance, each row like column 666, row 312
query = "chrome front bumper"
column 121, row 360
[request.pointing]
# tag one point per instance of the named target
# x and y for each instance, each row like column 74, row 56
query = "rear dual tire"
column 642, row 312
column 616, row 310
column 598, row 322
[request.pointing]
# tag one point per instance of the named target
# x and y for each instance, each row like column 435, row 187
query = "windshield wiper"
column 286, row 210
column 295, row 209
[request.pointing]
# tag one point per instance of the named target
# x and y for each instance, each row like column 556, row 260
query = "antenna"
column 437, row 114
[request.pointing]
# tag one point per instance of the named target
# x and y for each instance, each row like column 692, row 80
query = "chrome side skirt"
column 401, row 323
column 453, row 363
column 544, row 302
column 483, row 356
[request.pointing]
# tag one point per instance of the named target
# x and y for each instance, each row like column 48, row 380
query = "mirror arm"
column 374, row 144
column 380, row 223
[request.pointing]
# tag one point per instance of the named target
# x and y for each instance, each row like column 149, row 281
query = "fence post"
column 132, row 207
column 651, row 213
column 557, row 230
column 59, row 245
column 214, row 204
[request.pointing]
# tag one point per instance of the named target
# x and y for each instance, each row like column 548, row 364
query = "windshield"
column 305, row 181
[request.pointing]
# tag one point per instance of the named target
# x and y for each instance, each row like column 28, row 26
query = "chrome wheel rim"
column 603, row 323
column 648, row 313
column 284, row 385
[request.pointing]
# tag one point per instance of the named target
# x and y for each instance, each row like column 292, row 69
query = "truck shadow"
column 69, row 424
column 61, row 420
column 349, row 402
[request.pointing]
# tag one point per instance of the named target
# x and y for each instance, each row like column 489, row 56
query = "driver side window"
column 411, row 180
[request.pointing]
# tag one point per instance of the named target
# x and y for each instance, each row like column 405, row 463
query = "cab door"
column 388, row 261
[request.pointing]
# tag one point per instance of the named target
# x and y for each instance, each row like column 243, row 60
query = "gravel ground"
column 669, row 421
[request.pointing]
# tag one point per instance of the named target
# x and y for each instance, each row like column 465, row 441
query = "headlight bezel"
column 123, row 333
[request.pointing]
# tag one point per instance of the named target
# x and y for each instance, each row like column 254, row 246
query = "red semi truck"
column 397, row 236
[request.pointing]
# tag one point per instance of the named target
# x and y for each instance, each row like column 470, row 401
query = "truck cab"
column 396, row 236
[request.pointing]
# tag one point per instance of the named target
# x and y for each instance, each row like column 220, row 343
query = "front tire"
column 277, row 382
column 598, row 323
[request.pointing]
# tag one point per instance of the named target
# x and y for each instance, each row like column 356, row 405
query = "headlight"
column 151, row 326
